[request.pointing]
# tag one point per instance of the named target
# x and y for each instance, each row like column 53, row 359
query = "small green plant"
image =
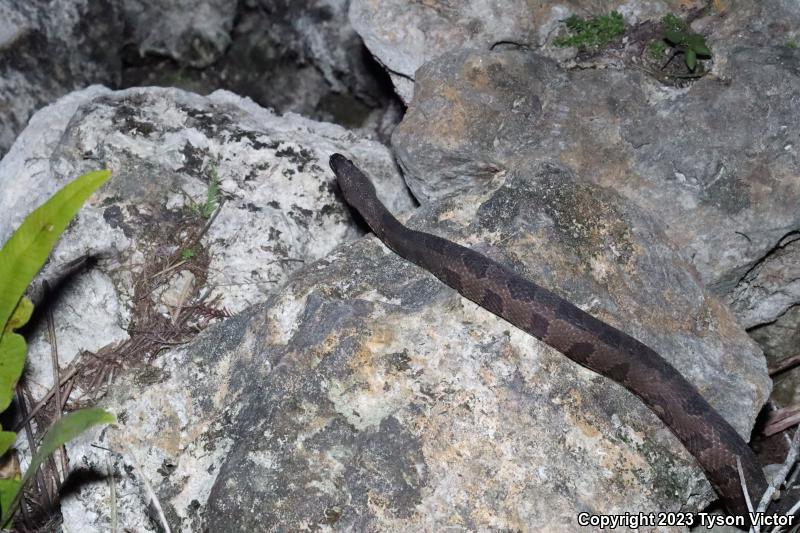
column 791, row 43
column 657, row 49
column 683, row 40
column 188, row 254
column 594, row 32
column 691, row 44
column 20, row 260
column 207, row 208
column 672, row 22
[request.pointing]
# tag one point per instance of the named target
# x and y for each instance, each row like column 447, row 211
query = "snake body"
column 602, row 348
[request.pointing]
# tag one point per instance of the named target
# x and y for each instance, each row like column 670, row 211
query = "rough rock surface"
column 306, row 59
column 776, row 23
column 771, row 286
column 48, row 49
column 194, row 33
column 291, row 57
column 404, row 34
column 366, row 395
column 781, row 339
column 165, row 147
column 716, row 164
column 673, row 151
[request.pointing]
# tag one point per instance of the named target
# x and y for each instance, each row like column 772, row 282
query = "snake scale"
column 586, row 340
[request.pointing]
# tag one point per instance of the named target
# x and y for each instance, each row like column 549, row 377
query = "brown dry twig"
column 51, row 331
column 65, row 378
column 780, row 477
column 782, row 365
column 782, row 419
column 92, row 372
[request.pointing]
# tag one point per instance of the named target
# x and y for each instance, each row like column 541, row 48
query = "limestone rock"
column 194, row 33
column 403, row 35
column 366, row 395
column 48, row 49
column 169, row 151
column 717, row 165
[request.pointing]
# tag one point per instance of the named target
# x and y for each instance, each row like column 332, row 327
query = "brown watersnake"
column 586, row 340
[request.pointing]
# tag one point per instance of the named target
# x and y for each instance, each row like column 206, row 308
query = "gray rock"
column 305, row 58
column 771, row 286
column 164, row 146
column 301, row 57
column 403, row 35
column 191, row 32
column 760, row 24
column 49, row 49
column 715, row 163
column 366, row 395
column 780, row 339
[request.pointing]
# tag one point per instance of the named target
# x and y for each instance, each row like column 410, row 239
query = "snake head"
column 355, row 185
column 360, row 194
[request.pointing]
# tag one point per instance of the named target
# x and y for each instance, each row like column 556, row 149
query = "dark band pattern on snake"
column 586, row 340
